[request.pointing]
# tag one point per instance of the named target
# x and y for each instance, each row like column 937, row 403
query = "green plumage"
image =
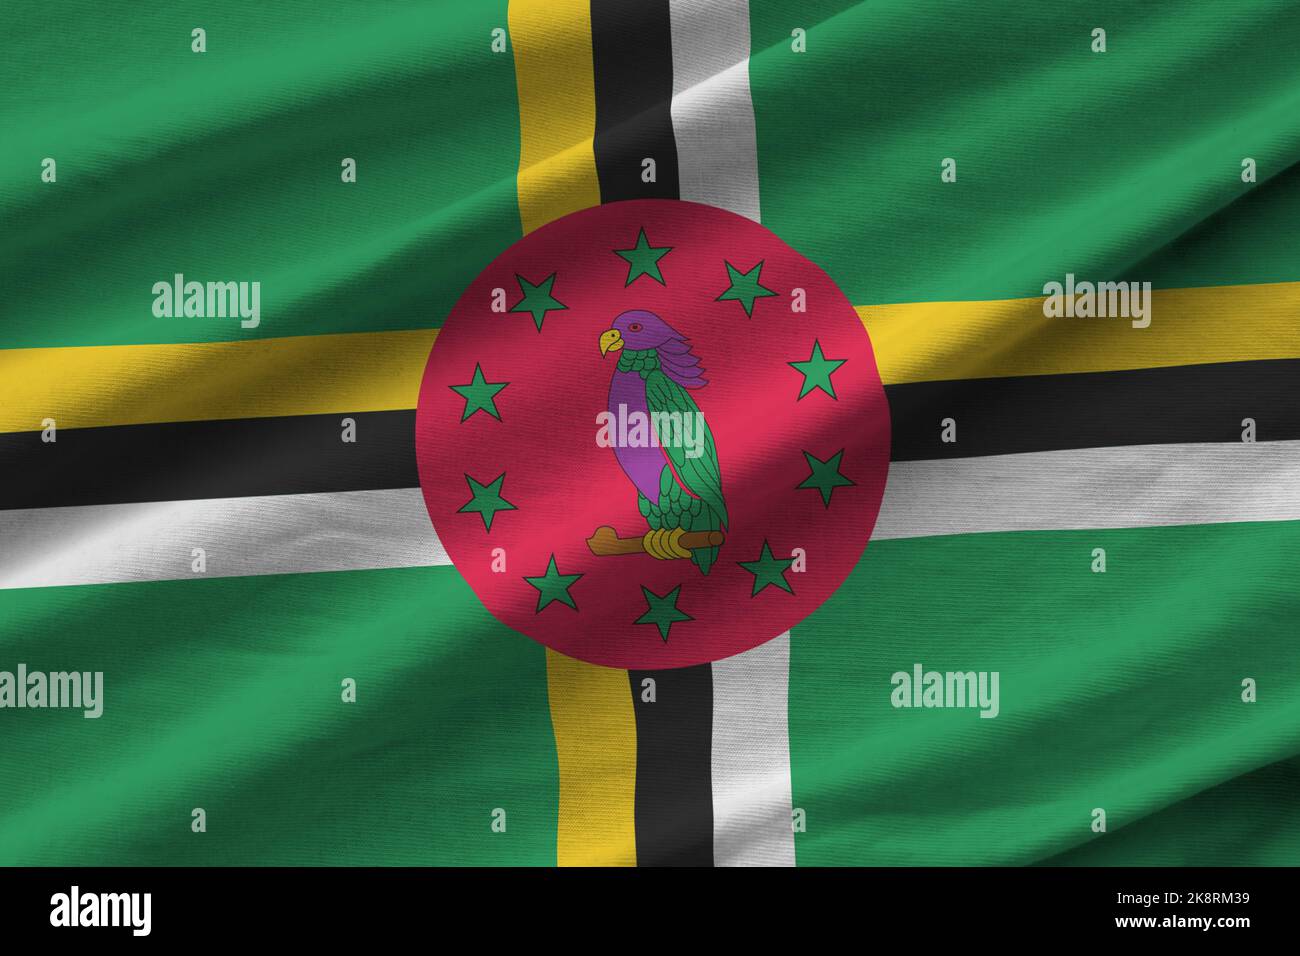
column 706, row 509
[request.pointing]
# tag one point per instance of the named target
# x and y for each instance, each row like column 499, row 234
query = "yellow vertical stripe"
column 595, row 739
column 557, row 108
column 591, row 707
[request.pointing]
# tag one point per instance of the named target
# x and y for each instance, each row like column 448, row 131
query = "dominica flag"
column 649, row 432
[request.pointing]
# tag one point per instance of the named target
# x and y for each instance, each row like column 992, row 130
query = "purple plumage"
column 642, row 464
column 641, row 331
column 664, row 445
column 645, row 330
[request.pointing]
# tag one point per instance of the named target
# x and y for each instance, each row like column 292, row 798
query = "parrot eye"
column 634, row 327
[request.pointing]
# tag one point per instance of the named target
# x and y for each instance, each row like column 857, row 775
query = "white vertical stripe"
column 717, row 157
column 751, row 758
column 713, row 117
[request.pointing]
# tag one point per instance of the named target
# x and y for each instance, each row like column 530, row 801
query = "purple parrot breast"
column 642, row 464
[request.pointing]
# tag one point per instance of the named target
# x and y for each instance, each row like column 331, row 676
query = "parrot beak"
column 611, row 340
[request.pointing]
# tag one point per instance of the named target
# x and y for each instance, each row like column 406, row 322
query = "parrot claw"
column 665, row 544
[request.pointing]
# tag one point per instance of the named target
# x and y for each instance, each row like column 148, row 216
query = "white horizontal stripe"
column 1137, row 486
column 1125, row 487
column 274, row 534
column 751, row 758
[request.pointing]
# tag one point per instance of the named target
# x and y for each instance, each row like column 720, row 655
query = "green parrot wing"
column 670, row 406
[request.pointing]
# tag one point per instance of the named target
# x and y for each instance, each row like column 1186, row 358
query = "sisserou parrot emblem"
column 650, row 435
column 674, row 469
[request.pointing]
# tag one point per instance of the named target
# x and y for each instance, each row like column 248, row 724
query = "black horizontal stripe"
column 674, row 766
column 1003, row 416
column 304, row 454
column 632, row 58
column 229, row 458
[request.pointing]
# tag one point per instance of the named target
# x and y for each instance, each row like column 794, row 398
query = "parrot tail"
column 704, row 558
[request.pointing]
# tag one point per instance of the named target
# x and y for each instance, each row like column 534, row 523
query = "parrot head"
column 637, row 330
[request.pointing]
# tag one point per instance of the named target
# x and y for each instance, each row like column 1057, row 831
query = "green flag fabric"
column 230, row 635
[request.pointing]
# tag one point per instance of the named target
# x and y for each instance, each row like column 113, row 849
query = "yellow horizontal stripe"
column 378, row 371
column 932, row 341
column 595, row 740
column 132, row 384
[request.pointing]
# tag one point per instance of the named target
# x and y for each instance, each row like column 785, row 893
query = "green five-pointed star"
column 487, row 500
column 817, row 371
column 744, row 287
column 537, row 298
column 479, row 395
column 643, row 259
column 662, row 611
column 768, row 570
column 553, row 586
column 825, row 476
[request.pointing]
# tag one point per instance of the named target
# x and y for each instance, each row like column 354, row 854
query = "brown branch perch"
column 605, row 541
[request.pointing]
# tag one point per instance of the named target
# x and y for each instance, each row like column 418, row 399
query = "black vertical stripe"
column 674, row 756
column 632, row 56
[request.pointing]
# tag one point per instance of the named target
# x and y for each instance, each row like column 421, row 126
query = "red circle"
column 563, row 484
